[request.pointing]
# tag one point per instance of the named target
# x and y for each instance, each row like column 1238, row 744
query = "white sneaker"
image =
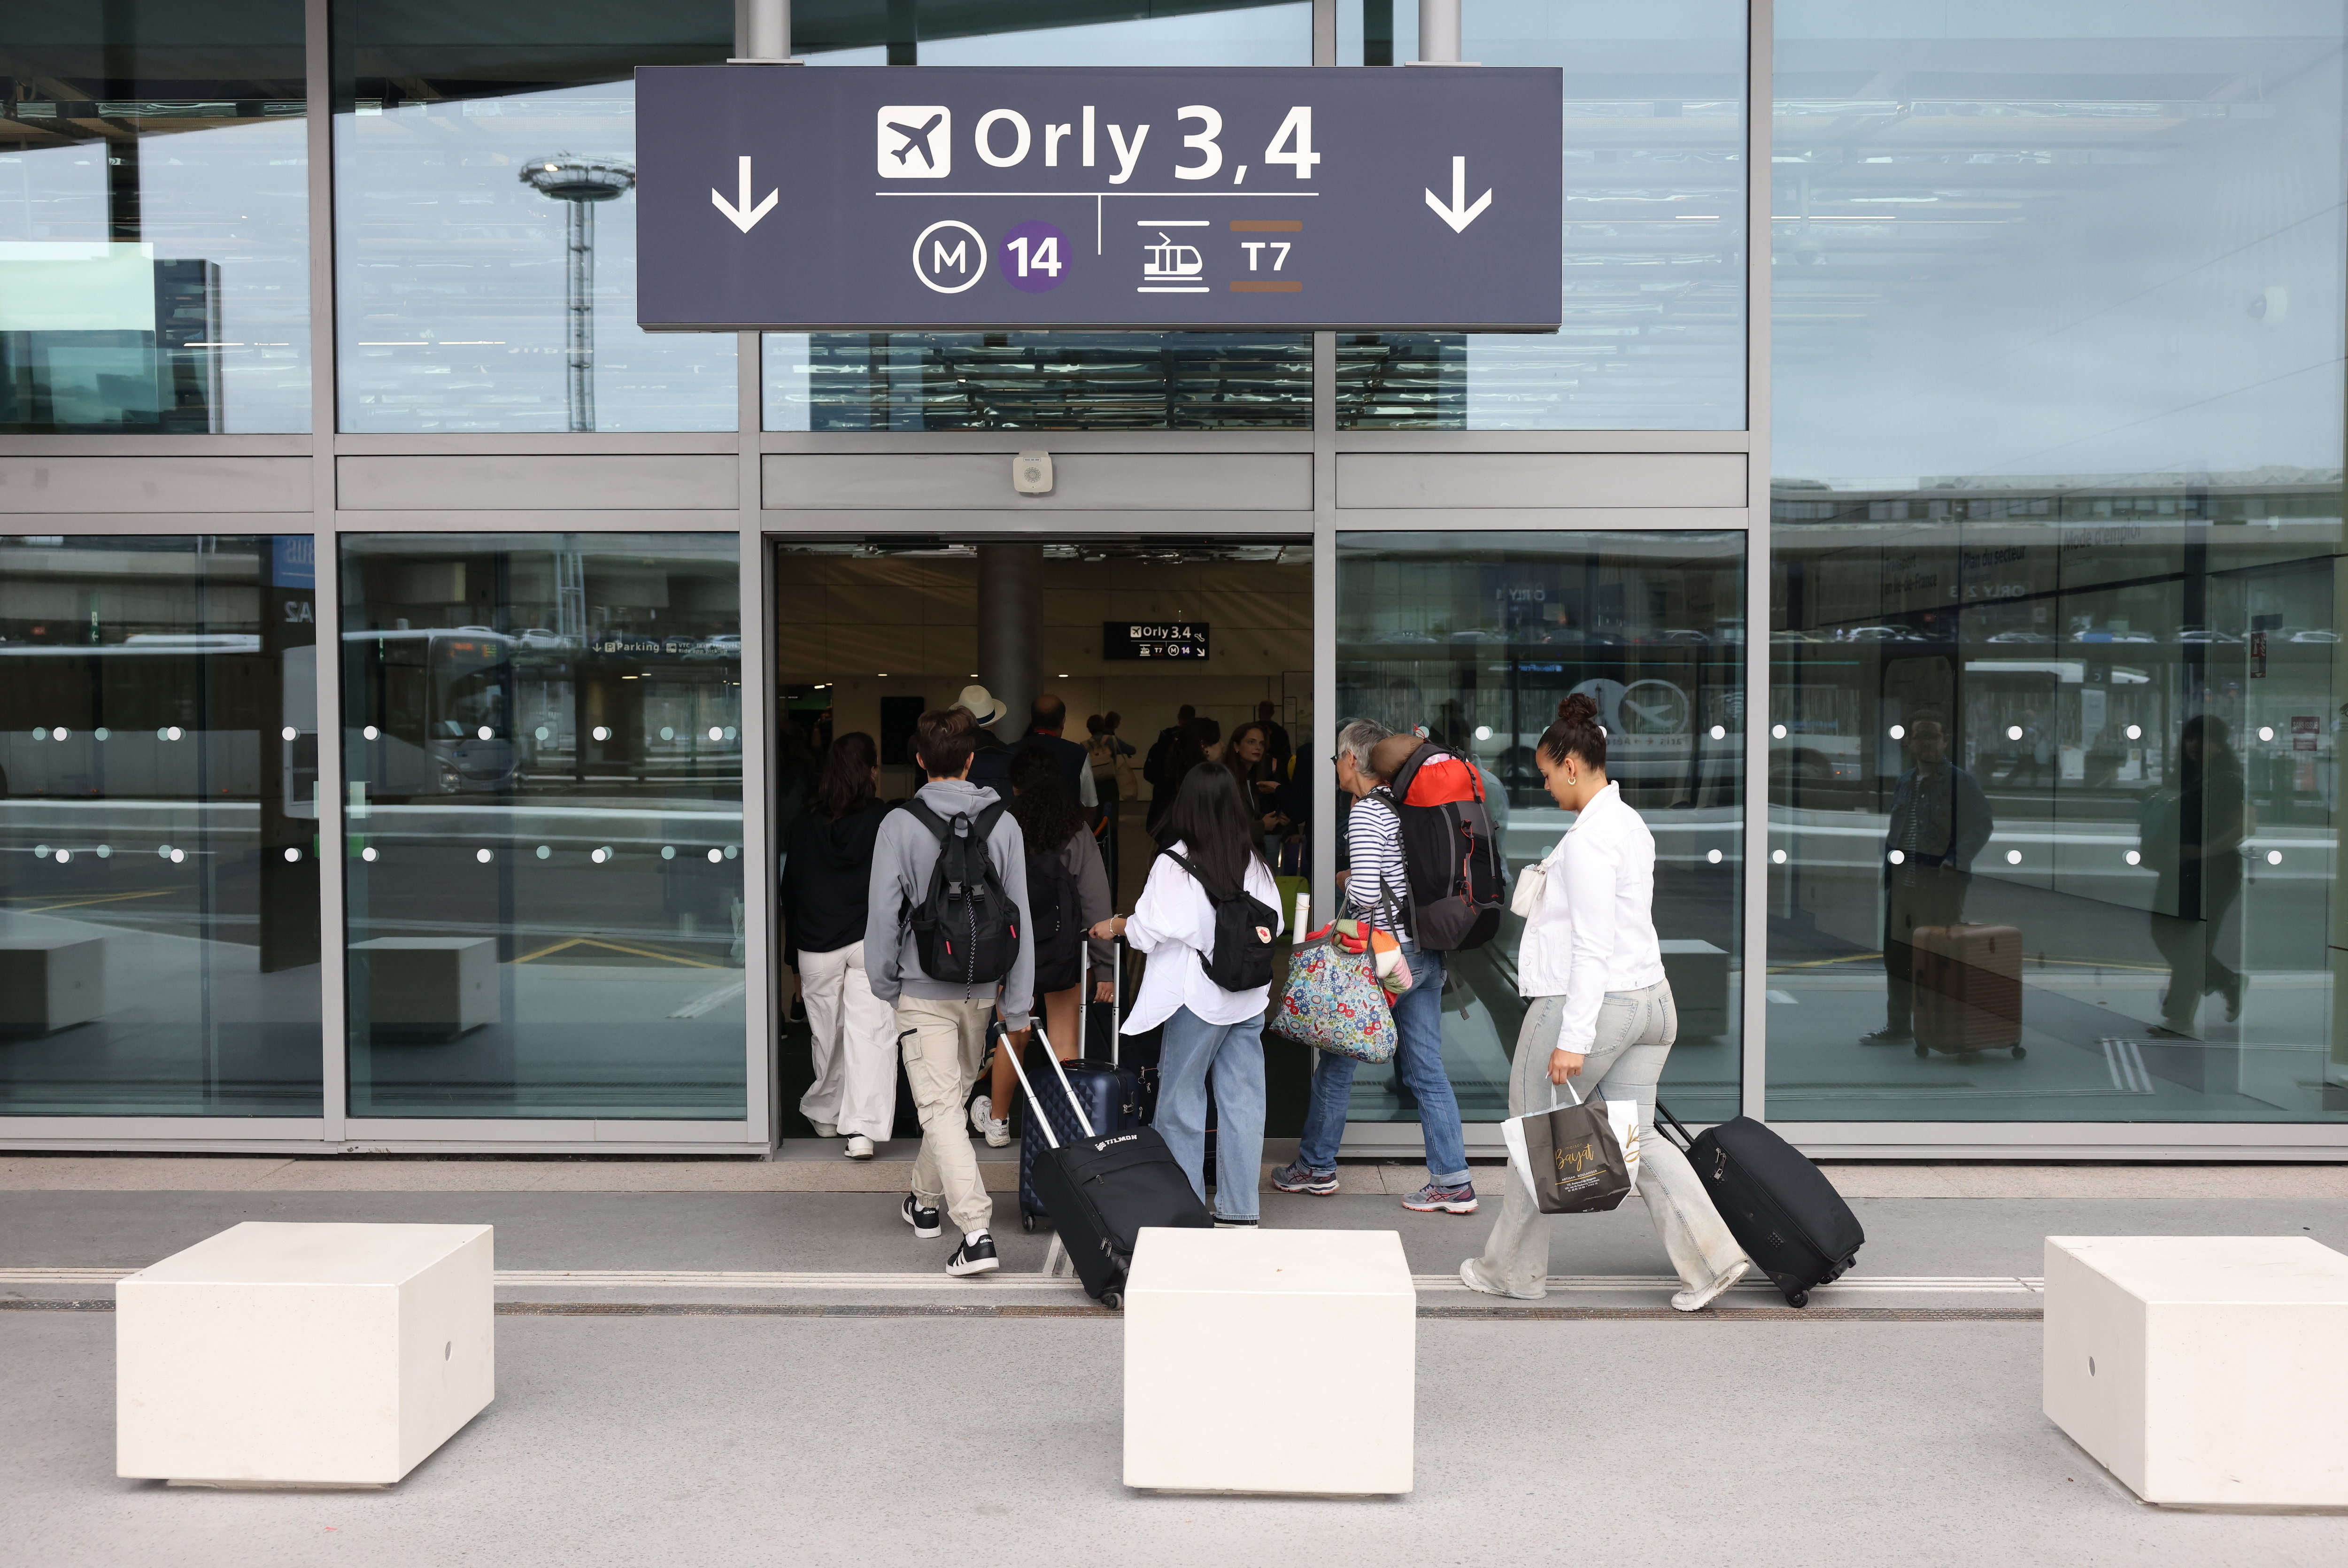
column 1697, row 1300
column 981, row 1110
column 825, row 1129
column 998, row 1133
column 859, row 1147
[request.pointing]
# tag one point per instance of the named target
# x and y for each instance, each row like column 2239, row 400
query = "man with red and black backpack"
column 1422, row 865
column 1450, row 843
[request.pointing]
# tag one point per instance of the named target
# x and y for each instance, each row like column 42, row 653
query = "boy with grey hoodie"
column 941, row 1024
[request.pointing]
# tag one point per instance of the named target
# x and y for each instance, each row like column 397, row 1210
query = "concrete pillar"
column 1010, row 628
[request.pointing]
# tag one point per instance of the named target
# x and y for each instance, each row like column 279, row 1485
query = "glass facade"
column 2055, row 691
column 154, row 219
column 1475, row 638
column 158, row 827
column 1045, row 380
column 1652, row 331
column 542, row 738
column 486, row 239
column 2058, row 462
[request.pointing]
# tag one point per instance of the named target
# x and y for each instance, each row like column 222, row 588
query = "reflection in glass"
column 2057, row 465
column 1653, row 335
column 1045, row 380
column 1476, row 637
column 543, row 734
column 485, row 236
column 154, row 263
column 159, row 884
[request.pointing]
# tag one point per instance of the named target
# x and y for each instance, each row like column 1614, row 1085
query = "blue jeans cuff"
column 1457, row 1178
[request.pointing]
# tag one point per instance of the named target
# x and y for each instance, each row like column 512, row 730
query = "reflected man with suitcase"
column 1939, row 821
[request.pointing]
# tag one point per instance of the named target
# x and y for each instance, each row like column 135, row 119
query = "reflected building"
column 1993, row 769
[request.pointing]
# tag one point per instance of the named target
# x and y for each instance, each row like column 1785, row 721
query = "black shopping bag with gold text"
column 1577, row 1159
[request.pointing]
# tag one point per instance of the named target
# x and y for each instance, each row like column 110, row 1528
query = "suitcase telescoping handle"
column 1034, row 1106
column 1066, row 1087
column 1671, row 1124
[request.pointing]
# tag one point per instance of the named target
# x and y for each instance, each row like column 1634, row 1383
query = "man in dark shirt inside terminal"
column 1940, row 820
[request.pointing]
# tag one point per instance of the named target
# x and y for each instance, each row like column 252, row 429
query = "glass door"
column 1473, row 639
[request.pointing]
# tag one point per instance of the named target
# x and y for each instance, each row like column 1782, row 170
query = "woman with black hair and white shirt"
column 1602, row 1012
column 1209, row 845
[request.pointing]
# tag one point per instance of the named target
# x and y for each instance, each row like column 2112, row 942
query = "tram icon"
column 1172, row 268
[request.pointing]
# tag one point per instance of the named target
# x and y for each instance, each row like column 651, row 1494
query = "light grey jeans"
column 1635, row 1030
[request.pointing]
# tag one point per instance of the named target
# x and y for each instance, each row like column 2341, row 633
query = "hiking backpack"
column 1056, row 923
column 966, row 928
column 1239, row 958
column 1450, row 851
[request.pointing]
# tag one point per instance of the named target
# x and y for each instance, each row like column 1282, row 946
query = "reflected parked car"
column 2204, row 635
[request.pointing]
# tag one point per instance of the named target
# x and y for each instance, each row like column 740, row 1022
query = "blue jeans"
column 1190, row 1048
column 1418, row 1057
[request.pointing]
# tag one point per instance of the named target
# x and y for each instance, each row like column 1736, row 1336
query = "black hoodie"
column 827, row 874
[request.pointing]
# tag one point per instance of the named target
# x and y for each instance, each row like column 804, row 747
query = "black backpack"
column 1450, row 850
column 1241, row 957
column 1057, row 928
column 966, row 928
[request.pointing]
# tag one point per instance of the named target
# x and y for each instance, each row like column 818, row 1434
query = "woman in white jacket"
column 1601, row 1012
column 1209, row 845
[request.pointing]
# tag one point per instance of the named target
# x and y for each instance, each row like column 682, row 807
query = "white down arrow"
column 1459, row 214
column 745, row 217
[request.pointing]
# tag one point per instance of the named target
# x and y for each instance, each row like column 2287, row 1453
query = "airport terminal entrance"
column 1174, row 648
column 1174, row 642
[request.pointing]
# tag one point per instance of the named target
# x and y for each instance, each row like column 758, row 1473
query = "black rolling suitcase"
column 1103, row 1189
column 1109, row 1097
column 1781, row 1209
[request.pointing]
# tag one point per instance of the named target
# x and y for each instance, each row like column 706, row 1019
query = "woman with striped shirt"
column 1377, row 888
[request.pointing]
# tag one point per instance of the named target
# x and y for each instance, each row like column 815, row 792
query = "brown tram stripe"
column 1268, row 225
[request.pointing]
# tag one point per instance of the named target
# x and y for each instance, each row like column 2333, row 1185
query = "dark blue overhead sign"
column 795, row 199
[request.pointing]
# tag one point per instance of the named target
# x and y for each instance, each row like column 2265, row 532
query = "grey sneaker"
column 1473, row 1278
column 1432, row 1198
column 1297, row 1177
column 1697, row 1300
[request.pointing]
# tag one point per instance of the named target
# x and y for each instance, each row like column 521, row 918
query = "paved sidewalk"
column 780, row 1375
column 813, row 1165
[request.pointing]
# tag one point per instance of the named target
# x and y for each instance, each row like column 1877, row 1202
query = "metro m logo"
column 942, row 260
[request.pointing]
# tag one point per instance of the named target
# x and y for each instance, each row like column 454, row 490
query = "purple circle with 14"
column 1035, row 256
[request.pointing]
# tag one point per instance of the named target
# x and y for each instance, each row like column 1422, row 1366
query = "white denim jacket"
column 1594, row 931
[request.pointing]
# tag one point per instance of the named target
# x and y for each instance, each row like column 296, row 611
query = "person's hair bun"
column 1578, row 708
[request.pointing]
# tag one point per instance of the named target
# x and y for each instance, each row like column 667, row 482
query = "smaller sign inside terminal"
column 1154, row 640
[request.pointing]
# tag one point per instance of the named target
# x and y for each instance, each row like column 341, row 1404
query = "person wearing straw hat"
column 990, row 766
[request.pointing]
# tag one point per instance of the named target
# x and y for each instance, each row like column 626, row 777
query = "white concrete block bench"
column 2208, row 1371
column 1233, row 1339
column 302, row 1355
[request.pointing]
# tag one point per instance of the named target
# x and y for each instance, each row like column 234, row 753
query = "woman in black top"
column 826, row 871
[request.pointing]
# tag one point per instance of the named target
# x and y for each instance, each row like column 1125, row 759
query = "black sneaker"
column 1889, row 1036
column 974, row 1257
column 924, row 1221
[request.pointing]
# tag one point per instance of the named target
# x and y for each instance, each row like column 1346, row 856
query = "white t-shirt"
column 1173, row 923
